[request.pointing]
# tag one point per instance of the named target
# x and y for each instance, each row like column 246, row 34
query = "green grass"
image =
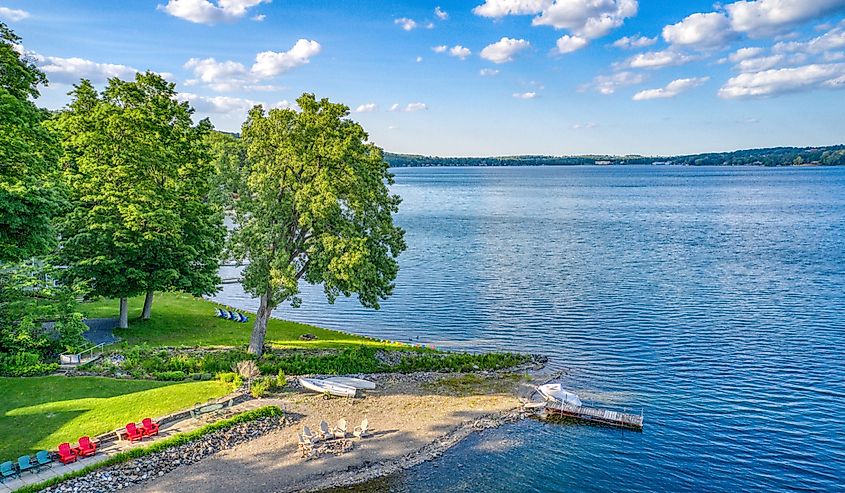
column 159, row 445
column 41, row 412
column 181, row 320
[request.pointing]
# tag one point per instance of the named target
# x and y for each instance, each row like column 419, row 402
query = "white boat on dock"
column 554, row 392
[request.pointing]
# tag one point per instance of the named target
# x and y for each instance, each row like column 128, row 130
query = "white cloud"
column 568, row 44
column 13, row 15
column 488, row 72
column 525, row 95
column 271, row 63
column 745, row 53
column 283, row 105
column 504, row 50
column 586, row 18
column 230, row 75
column 406, row 23
column 71, row 70
column 628, row 42
column 206, row 12
column 758, row 64
column 258, row 18
column 459, row 52
column 419, row 59
column 409, row 108
column 366, row 108
column 440, row 13
column 765, row 17
column 220, row 76
column 658, row 59
column 785, row 80
column 831, row 40
column 581, row 126
column 700, row 30
column 501, row 8
column 671, row 90
column 440, row 49
column 217, row 104
column 609, row 84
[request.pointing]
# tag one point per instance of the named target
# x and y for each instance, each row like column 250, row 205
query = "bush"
column 281, row 380
column 170, row 376
column 24, row 364
column 260, row 387
column 70, row 333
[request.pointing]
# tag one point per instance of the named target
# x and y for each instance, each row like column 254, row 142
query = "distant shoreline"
column 769, row 157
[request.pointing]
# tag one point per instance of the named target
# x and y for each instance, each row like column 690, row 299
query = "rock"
column 307, row 337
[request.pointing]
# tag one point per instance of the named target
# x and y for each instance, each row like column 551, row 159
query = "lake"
column 712, row 299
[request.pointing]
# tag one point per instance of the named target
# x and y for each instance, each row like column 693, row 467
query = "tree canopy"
column 139, row 175
column 315, row 207
column 30, row 195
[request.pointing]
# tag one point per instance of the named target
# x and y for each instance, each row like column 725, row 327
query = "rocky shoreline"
column 137, row 471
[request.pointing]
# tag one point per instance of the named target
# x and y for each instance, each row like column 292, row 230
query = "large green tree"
column 139, row 174
column 29, row 191
column 316, row 207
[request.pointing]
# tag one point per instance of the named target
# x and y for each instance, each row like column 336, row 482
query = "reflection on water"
column 711, row 298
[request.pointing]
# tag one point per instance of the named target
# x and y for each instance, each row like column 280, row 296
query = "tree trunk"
column 259, row 328
column 148, row 306
column 124, row 313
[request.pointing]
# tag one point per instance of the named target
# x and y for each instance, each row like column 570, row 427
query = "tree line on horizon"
column 776, row 156
column 121, row 194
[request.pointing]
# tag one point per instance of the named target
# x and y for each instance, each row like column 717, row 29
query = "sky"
column 478, row 77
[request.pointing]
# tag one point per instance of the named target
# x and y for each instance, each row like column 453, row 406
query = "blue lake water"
column 711, row 298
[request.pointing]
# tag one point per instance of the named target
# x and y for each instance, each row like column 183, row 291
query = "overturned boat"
column 327, row 388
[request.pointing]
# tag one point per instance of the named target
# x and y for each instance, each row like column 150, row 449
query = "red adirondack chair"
column 133, row 433
column 67, row 454
column 86, row 447
column 150, row 428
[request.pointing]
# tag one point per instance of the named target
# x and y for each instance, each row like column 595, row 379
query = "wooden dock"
column 595, row 415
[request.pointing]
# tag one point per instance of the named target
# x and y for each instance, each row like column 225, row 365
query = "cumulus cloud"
column 700, row 30
column 785, row 80
column 271, row 63
column 408, row 108
column 671, row 90
column 504, row 50
column 230, row 75
column 629, row 42
column 658, row 59
column 71, row 70
column 440, row 49
column 831, row 40
column 568, row 44
column 366, row 108
column 488, row 72
column 609, row 84
column 745, row 53
column 419, row 59
column 217, row 104
column 258, row 18
column 440, row 13
column 207, row 12
column 13, row 15
column 588, row 19
column 459, row 51
column 525, row 95
column 406, row 23
column 765, row 17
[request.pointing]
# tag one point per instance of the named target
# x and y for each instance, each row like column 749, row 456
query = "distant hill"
column 776, row 156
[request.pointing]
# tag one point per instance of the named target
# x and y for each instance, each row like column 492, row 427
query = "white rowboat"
column 554, row 392
column 326, row 387
column 358, row 383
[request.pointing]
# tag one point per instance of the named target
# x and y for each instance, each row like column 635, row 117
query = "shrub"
column 24, row 364
column 70, row 333
column 281, row 380
column 260, row 387
column 170, row 376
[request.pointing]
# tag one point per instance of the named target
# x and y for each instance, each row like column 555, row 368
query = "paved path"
column 100, row 330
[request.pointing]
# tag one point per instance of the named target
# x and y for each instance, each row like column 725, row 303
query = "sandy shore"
column 413, row 419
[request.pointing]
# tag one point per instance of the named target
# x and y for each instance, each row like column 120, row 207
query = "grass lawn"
column 41, row 412
column 182, row 320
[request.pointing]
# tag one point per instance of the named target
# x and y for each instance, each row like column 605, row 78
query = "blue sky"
column 476, row 78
